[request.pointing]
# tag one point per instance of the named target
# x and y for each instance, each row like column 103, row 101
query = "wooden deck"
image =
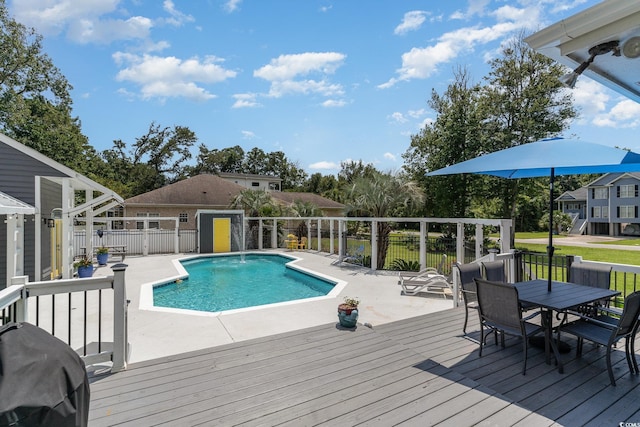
column 417, row 372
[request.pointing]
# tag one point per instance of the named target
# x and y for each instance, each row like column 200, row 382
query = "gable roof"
column 201, row 190
column 610, row 178
column 211, row 190
column 79, row 181
column 579, row 195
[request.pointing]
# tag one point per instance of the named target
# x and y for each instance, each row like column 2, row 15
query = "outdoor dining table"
column 562, row 297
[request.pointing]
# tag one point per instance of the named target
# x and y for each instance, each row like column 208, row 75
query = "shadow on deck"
column 419, row 371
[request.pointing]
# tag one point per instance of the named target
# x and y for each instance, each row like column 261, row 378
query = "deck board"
column 419, row 371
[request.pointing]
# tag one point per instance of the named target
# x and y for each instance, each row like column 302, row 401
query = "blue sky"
column 323, row 81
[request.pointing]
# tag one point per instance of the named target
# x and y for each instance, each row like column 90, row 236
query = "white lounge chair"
column 427, row 280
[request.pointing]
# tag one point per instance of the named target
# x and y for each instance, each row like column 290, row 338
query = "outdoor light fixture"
column 631, row 48
column 569, row 80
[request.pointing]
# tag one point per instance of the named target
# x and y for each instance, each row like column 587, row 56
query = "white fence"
column 141, row 242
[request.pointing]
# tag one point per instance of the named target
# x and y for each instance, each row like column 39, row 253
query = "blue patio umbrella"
column 548, row 157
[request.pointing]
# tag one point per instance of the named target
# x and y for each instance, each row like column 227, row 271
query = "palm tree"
column 379, row 196
column 304, row 209
column 254, row 203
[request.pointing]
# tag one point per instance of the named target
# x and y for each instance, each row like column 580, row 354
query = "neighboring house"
column 255, row 182
column 184, row 198
column 609, row 204
column 30, row 180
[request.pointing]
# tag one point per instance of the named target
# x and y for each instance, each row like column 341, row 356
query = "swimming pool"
column 230, row 282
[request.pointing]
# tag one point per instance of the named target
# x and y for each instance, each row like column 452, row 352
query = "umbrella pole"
column 550, row 248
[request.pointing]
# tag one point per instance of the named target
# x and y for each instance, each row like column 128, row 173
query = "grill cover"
column 43, row 382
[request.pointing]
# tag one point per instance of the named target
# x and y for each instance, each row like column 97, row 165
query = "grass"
column 625, row 242
column 617, row 256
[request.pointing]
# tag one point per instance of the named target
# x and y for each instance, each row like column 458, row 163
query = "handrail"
column 20, row 292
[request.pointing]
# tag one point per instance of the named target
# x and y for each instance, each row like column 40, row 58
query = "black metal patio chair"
column 606, row 329
column 500, row 311
column 466, row 275
column 494, row 271
column 594, row 275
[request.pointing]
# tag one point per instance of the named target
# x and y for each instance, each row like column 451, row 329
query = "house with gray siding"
column 609, row 204
column 30, row 179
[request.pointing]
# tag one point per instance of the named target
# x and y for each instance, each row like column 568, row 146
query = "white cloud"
column 421, row 63
column 412, row 21
column 89, row 21
column 245, row 100
column 397, row 117
column 417, row 113
column 232, row 5
column 247, row 134
column 334, row 103
column 625, row 114
column 476, row 7
column 177, row 18
column 389, row 156
column 283, row 72
column 171, row 77
column 324, row 165
column 590, row 98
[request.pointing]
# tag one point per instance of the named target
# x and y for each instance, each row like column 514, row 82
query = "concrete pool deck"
column 154, row 334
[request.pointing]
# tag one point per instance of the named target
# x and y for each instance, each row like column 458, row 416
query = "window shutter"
column 635, row 215
column 618, row 190
column 636, row 190
column 618, row 211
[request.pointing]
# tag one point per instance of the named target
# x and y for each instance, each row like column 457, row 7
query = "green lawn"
column 617, row 256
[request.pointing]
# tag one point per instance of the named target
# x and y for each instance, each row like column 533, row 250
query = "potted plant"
column 102, row 254
column 348, row 312
column 84, row 266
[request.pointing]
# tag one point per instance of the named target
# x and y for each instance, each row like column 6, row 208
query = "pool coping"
column 146, row 289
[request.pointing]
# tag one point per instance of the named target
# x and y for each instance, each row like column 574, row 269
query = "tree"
column 523, row 101
column 303, row 209
column 35, row 105
column 154, row 160
column 215, row 161
column 379, row 195
column 254, row 203
column 454, row 136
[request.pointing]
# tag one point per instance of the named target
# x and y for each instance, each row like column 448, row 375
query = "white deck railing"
column 93, row 322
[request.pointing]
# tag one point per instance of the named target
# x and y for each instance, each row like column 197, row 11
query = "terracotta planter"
column 347, row 315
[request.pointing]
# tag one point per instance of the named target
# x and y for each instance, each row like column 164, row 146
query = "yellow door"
column 222, row 235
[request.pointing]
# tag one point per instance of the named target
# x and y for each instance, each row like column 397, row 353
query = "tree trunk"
column 383, row 243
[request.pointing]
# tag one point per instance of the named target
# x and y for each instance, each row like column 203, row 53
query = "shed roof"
column 10, row 205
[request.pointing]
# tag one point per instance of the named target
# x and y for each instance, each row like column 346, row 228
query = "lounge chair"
column 427, row 280
column 356, row 257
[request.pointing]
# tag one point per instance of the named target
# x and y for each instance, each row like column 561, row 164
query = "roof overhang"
column 10, row 206
column 568, row 42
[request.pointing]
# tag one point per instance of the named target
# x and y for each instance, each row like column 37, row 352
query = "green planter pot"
column 347, row 316
column 85, row 271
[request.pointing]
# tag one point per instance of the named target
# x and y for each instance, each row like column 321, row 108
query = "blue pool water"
column 233, row 281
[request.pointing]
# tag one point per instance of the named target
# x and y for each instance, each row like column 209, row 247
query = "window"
column 627, row 191
column 605, row 212
column 596, row 212
column 152, row 224
column 627, row 211
column 184, row 217
column 599, row 193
